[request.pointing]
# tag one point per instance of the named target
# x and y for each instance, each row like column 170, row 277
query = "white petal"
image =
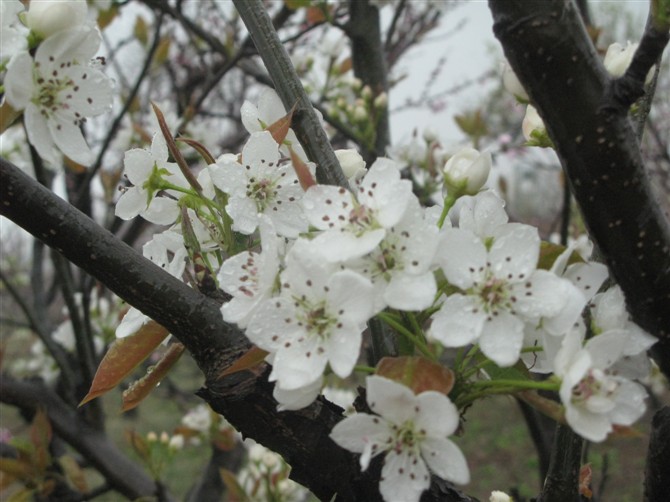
column 300, row 363
column 336, row 245
column 260, row 150
column 351, row 295
column 502, row 338
column 391, row 400
column 70, row 140
column 605, row 349
column 435, row 404
column 592, row 426
column 515, row 252
column 327, row 206
column 404, row 477
column 297, row 399
column 162, row 211
column 39, row 134
column 343, row 348
column 244, row 214
column 561, row 322
column 273, row 324
column 445, row 459
column 131, row 203
column 410, row 292
column 462, row 257
column 543, row 294
column 458, row 323
column 249, row 116
column 588, row 277
column 19, row 85
column 360, row 433
column 629, row 398
column 383, row 191
column 93, row 94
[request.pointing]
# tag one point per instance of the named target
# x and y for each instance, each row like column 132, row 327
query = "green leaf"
column 123, row 356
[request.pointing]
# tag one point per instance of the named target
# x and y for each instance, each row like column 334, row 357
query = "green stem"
column 401, row 329
column 449, row 202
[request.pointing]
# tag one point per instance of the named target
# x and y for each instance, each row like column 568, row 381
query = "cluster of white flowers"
column 329, row 259
column 58, row 86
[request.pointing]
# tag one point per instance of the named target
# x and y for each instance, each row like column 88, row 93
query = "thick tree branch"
column 657, row 475
column 244, row 398
column 550, row 51
column 124, row 475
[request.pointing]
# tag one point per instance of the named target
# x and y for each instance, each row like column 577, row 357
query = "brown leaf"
column 140, row 389
column 585, row 477
column 16, row 468
column 123, row 356
column 301, row 170
column 279, row 129
column 7, row 116
column 417, row 373
column 234, row 492
column 253, row 357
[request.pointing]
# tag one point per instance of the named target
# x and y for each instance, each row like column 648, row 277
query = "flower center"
column 595, row 383
column 262, row 192
column 406, row 437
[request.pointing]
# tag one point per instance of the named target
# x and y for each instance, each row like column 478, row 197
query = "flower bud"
column 467, row 171
column 618, row 58
column 350, row 161
column 534, row 130
column 498, row 496
column 429, row 135
column 176, row 442
column 152, row 436
column 532, row 122
column 360, row 114
column 381, row 101
column 512, row 84
column 46, row 17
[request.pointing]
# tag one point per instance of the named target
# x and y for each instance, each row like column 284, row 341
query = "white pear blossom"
column 46, row 17
column 269, row 110
column 57, row 91
column 261, row 185
column 498, row 496
column 413, row 431
column 317, row 319
column 353, row 227
column 147, row 170
column 609, row 318
column 401, row 266
column 501, row 291
column 466, row 171
column 595, row 398
column 618, row 58
column 168, row 252
column 250, row 277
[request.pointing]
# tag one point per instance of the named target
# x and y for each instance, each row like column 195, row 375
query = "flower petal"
column 445, row 459
column 502, row 338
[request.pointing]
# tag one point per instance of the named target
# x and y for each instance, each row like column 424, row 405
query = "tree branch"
column 289, row 88
column 550, row 51
column 657, row 475
column 124, row 475
column 244, row 398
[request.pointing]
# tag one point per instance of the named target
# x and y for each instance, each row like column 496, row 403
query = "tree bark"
column 586, row 114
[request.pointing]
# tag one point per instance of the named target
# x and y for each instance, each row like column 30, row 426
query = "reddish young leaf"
column 234, row 491
column 73, row 473
column 200, row 148
column 174, row 151
column 140, row 389
column 301, row 170
column 279, row 129
column 253, row 357
column 123, row 356
column 585, row 477
column 40, row 437
column 417, row 373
